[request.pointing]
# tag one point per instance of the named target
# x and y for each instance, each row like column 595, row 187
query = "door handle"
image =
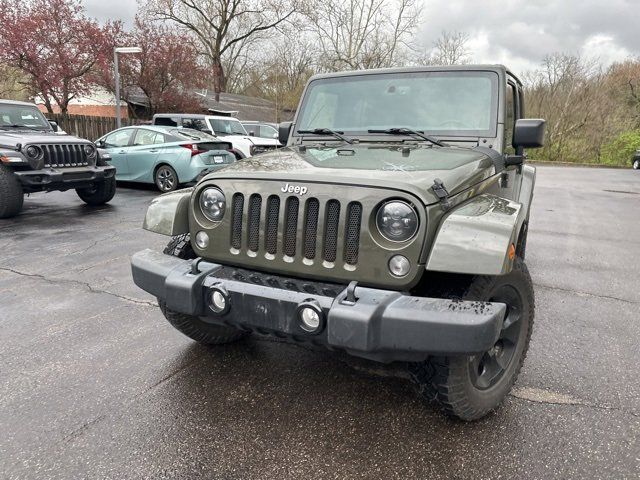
column 122, row 151
column 153, row 150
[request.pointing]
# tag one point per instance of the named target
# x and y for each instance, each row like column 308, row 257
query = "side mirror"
column 529, row 133
column 252, row 133
column 54, row 125
column 100, row 143
column 284, row 129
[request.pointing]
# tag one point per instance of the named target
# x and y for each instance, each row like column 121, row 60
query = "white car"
column 225, row 128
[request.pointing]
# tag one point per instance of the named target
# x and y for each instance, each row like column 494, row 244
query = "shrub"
column 620, row 150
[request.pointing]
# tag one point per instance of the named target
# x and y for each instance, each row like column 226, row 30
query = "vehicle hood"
column 266, row 142
column 409, row 168
column 14, row 138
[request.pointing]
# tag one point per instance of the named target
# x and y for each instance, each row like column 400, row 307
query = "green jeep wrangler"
column 392, row 227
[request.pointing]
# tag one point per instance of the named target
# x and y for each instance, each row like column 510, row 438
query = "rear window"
column 168, row 121
column 191, row 134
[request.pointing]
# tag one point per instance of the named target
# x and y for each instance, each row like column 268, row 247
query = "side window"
column 171, row 122
column 510, row 118
column 148, row 137
column 195, row 123
column 118, row 139
column 267, row 131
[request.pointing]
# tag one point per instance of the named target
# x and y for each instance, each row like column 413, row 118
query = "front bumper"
column 381, row 325
column 50, row 179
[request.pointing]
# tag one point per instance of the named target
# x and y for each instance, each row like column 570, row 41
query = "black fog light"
column 218, row 300
column 310, row 316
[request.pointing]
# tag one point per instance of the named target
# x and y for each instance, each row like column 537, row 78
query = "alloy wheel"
column 488, row 368
column 165, row 179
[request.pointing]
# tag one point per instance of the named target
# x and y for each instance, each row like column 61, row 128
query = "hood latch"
column 441, row 192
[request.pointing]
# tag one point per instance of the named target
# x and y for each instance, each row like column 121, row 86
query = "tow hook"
column 350, row 298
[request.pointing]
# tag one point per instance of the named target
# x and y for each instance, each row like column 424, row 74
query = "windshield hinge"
column 441, row 192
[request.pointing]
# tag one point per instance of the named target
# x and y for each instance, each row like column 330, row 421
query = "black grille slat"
column 63, row 155
column 352, row 233
column 311, row 228
column 236, row 220
column 253, row 222
column 271, row 229
column 291, row 226
column 302, row 230
column 75, row 158
column 332, row 220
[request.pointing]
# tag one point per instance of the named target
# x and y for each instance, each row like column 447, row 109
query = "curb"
column 571, row 164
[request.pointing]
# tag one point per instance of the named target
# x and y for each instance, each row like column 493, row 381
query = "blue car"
column 166, row 156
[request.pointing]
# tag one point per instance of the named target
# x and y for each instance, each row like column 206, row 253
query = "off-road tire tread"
column 200, row 331
column 440, row 379
column 105, row 191
column 194, row 327
column 180, row 246
column 11, row 194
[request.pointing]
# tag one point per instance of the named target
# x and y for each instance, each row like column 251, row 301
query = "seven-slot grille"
column 276, row 230
column 64, row 155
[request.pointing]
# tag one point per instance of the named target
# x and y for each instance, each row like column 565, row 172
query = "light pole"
column 116, row 51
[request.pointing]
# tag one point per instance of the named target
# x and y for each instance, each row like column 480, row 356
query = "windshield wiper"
column 327, row 131
column 19, row 125
column 409, row 131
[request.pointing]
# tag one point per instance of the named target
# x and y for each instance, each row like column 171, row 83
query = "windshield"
column 25, row 116
column 438, row 103
column 191, row 134
column 227, row 126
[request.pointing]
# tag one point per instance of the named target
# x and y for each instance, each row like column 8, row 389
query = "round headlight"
column 212, row 204
column 89, row 150
column 397, row 221
column 33, row 151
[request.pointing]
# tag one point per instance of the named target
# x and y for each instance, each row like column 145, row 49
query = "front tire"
column 98, row 194
column 11, row 194
column 191, row 326
column 469, row 387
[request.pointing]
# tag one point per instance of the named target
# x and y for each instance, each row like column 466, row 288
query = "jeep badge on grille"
column 297, row 189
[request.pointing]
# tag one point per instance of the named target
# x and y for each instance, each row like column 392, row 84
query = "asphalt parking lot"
column 94, row 383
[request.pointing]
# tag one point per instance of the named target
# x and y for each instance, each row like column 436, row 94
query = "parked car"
column 261, row 129
column 226, row 128
column 33, row 158
column 166, row 156
column 395, row 237
column 635, row 163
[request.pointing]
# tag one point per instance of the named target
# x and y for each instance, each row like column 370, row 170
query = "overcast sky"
column 518, row 33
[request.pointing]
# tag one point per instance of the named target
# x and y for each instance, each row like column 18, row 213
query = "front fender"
column 168, row 214
column 475, row 237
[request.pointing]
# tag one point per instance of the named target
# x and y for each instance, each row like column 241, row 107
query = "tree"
column 167, row 70
column 356, row 34
column 451, row 48
column 12, row 83
column 281, row 78
column 224, row 29
column 54, row 45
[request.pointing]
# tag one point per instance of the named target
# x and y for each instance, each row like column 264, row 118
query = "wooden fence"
column 84, row 126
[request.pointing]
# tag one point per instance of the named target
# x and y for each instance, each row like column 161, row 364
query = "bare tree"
column 224, row 28
column 355, row 34
column 450, row 48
